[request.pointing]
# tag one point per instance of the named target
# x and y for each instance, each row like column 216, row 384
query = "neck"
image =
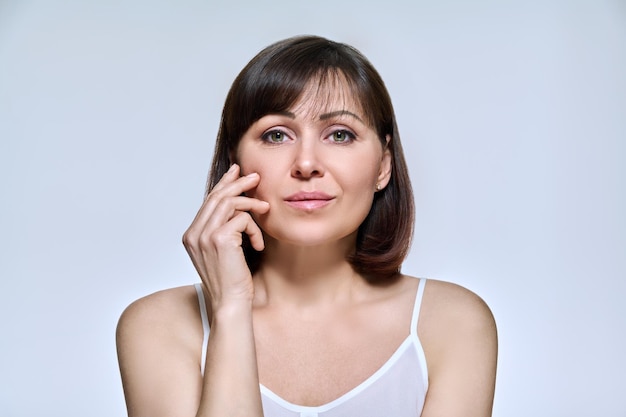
column 306, row 275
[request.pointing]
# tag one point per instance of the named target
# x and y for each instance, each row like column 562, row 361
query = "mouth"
column 308, row 200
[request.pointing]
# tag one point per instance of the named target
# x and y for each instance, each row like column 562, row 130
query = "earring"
column 377, row 187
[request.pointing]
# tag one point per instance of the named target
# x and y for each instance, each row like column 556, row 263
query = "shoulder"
column 170, row 313
column 451, row 313
column 455, row 304
column 459, row 337
column 159, row 343
column 161, row 304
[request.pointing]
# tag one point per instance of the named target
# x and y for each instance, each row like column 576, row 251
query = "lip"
column 308, row 200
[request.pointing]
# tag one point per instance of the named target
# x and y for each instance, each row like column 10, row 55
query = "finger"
column 229, row 176
column 255, row 234
column 207, row 224
column 236, row 186
column 229, row 190
column 244, row 223
column 226, row 238
column 227, row 208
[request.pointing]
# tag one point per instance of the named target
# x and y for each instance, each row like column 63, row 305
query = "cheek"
column 252, row 158
column 266, row 183
column 261, row 191
column 364, row 176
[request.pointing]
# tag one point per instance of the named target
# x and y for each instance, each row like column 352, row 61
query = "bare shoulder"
column 455, row 305
column 459, row 337
column 164, row 310
column 161, row 322
column 452, row 316
column 159, row 343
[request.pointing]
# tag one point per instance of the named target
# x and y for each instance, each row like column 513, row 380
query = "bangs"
column 323, row 74
column 280, row 78
column 330, row 91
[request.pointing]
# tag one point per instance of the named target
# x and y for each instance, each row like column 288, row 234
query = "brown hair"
column 272, row 82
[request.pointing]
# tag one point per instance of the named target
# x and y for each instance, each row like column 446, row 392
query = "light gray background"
column 513, row 116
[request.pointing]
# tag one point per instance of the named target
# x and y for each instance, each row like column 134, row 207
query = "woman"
column 302, row 309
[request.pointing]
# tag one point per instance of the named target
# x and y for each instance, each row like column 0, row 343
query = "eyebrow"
column 339, row 113
column 324, row 116
column 287, row 113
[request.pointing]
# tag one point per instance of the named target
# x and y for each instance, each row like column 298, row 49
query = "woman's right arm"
column 230, row 386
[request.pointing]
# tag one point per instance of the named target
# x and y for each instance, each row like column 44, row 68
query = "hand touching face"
column 319, row 166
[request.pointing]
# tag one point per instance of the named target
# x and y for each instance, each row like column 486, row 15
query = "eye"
column 342, row 136
column 274, row 136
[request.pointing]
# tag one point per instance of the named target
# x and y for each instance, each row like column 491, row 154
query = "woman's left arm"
column 459, row 336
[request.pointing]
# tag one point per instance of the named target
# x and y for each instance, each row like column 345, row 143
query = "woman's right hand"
column 214, row 238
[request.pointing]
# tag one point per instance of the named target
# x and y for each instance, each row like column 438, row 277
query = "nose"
column 307, row 162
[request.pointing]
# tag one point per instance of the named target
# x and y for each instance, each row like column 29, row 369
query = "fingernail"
column 232, row 168
column 252, row 175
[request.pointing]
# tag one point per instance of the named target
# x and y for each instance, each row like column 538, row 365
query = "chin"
column 310, row 236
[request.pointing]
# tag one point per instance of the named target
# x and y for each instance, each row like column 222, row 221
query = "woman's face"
column 319, row 164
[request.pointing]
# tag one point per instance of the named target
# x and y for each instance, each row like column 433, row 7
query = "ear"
column 384, row 173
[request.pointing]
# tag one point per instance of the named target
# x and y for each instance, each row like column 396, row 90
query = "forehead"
column 328, row 94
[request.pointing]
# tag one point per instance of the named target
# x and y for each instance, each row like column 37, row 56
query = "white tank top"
column 396, row 389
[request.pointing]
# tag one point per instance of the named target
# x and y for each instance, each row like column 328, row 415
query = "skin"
column 305, row 312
